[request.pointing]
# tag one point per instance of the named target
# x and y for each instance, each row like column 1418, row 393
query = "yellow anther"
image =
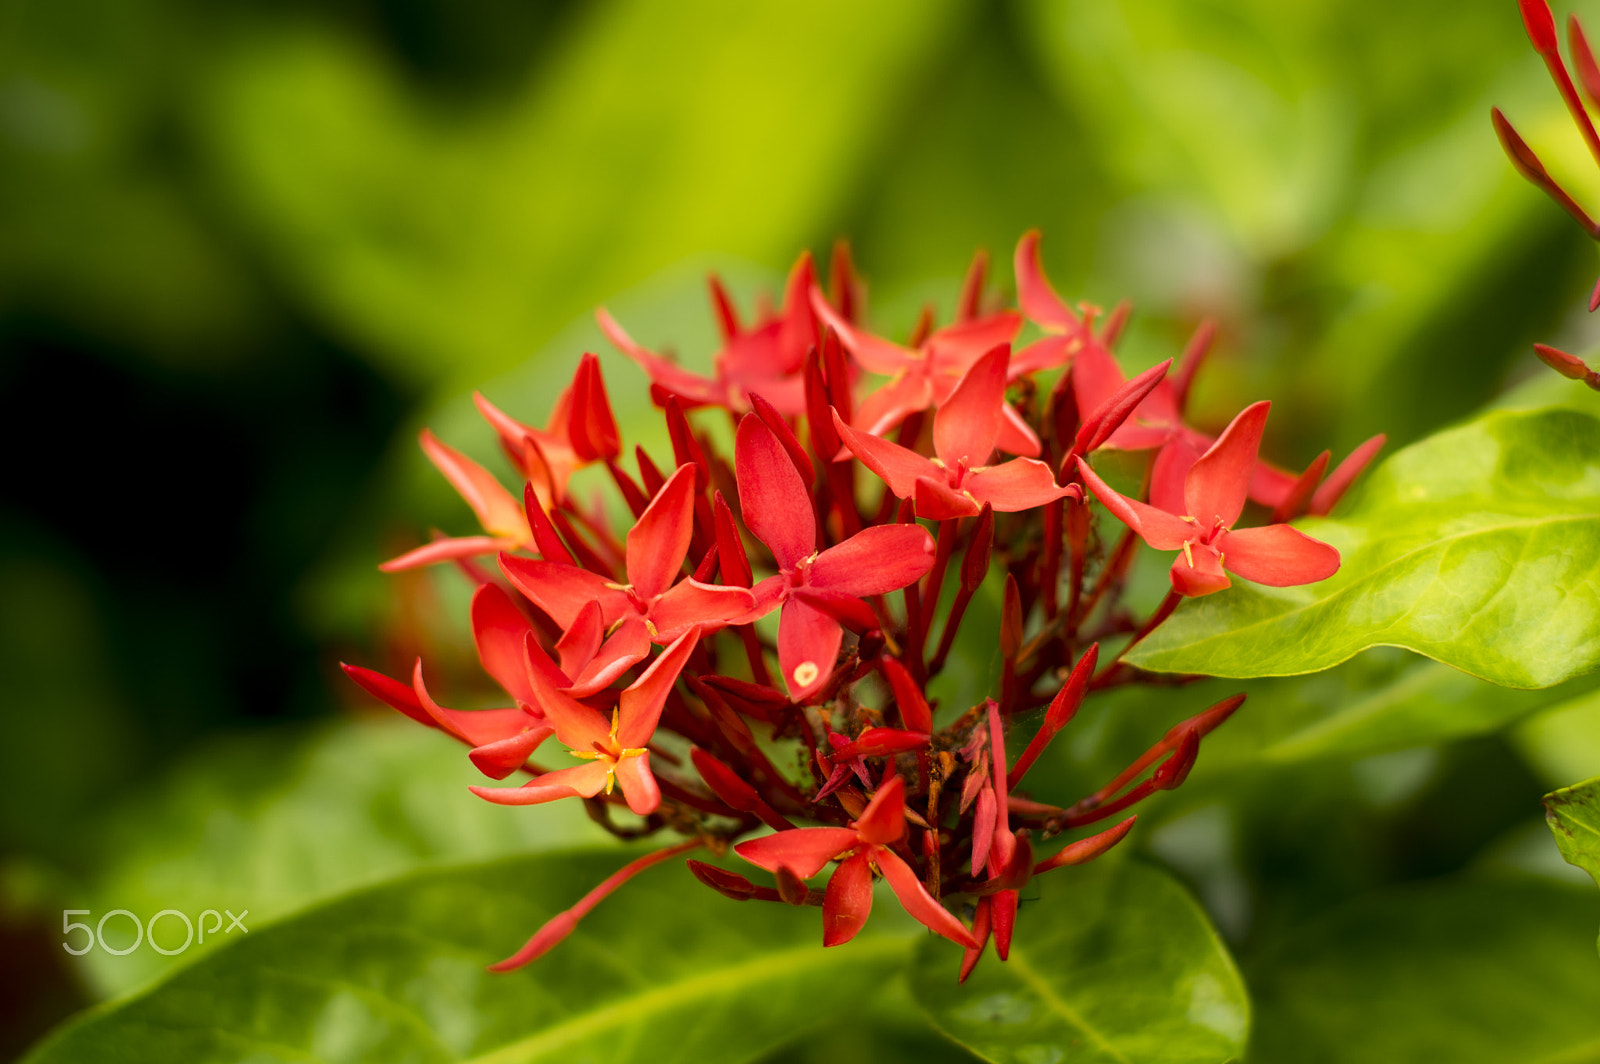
column 1188, row 554
column 651, row 629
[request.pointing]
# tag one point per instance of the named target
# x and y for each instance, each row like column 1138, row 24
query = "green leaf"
column 1116, row 963
column 272, row 822
column 1573, row 814
column 1464, row 971
column 663, row 967
column 1476, row 547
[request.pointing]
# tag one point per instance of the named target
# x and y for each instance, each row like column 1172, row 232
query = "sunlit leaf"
column 664, row 969
column 1115, row 963
column 1475, row 547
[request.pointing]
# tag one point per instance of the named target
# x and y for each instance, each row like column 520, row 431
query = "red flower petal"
column 638, row 784
column 622, row 650
column 848, row 901
column 641, row 702
column 668, row 375
column 391, row 692
column 803, row 850
column 881, row 742
column 1219, row 481
column 1016, row 435
column 498, row 629
column 967, row 423
column 874, row 354
column 577, row 725
column 591, row 426
column 501, row 758
column 884, row 819
column 581, row 642
column 937, row 501
column 1173, row 462
column 917, row 901
column 1020, row 484
column 1034, row 293
column 475, row 727
column 906, row 393
column 983, row 825
column 1277, row 555
column 808, row 645
column 777, row 507
column 659, row 541
column 897, row 466
column 563, row 590
column 914, row 711
column 1197, row 572
column 846, row 609
column 582, row 781
column 874, row 561
column 692, row 602
column 1161, row 530
column 447, row 550
column 497, row 510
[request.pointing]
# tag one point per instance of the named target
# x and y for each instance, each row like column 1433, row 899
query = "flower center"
column 610, row 752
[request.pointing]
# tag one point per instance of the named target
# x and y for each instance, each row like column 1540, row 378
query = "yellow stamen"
column 1188, row 554
column 651, row 629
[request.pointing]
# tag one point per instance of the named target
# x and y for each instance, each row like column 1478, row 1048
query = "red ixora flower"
column 1201, row 520
column 767, row 358
column 817, row 590
column 866, row 843
column 958, row 482
column 653, row 606
column 616, row 751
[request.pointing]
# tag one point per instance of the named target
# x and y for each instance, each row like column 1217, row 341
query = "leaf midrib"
column 1025, row 973
column 1355, row 584
column 660, row 999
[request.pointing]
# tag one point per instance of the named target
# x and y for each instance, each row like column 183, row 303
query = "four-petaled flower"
column 866, row 843
column 817, row 590
column 958, row 482
column 766, row 359
column 616, row 751
column 1213, row 496
column 653, row 606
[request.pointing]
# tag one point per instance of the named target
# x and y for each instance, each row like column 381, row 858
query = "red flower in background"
column 1200, row 523
column 766, row 359
column 959, row 481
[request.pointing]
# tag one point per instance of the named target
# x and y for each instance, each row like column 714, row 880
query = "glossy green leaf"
column 1476, row 547
column 1115, row 963
column 1574, row 817
column 1464, row 971
column 664, row 969
column 274, row 822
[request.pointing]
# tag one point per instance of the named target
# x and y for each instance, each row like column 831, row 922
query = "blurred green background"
column 246, row 250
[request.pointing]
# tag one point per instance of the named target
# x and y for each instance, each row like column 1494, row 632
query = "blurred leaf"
column 1474, row 547
column 1460, row 970
column 1563, row 742
column 397, row 973
column 1574, row 817
column 887, row 1029
column 1117, row 963
column 647, row 134
column 271, row 823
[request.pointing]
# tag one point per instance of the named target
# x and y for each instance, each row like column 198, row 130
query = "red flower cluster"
column 827, row 547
